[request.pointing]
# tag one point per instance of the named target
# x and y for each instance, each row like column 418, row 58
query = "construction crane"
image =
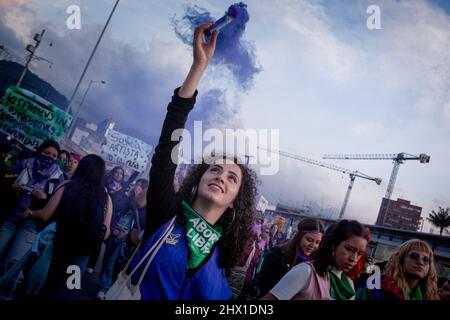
column 398, row 159
column 352, row 174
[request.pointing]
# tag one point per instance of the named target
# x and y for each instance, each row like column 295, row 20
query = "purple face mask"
column 45, row 161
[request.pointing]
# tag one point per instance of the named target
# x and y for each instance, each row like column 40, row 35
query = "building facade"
column 399, row 214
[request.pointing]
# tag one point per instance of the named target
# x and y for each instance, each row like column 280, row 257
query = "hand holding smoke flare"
column 232, row 51
column 229, row 16
column 234, row 56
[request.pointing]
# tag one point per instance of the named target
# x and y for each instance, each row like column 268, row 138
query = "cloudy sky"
column 327, row 82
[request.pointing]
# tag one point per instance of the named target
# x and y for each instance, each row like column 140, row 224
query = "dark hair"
column 441, row 281
column 113, row 171
column 304, row 226
column 110, row 177
column 335, row 234
column 83, row 203
column 64, row 152
column 273, row 226
column 235, row 232
column 46, row 144
column 91, row 168
column 143, row 182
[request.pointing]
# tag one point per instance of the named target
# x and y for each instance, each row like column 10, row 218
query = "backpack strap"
column 152, row 251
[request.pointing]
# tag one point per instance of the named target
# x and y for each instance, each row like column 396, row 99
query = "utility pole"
column 32, row 50
column 69, row 107
column 75, row 116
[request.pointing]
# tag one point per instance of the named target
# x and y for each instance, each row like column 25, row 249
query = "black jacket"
column 162, row 203
column 273, row 268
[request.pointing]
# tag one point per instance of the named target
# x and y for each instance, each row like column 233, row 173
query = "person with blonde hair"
column 409, row 275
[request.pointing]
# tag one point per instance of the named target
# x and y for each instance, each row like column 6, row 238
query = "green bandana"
column 413, row 294
column 201, row 236
column 61, row 164
column 340, row 289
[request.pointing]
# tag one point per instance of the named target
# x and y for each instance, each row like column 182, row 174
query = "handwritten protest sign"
column 262, row 204
column 31, row 119
column 124, row 150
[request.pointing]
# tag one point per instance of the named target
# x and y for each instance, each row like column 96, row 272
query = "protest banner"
column 30, row 119
column 262, row 204
column 124, row 150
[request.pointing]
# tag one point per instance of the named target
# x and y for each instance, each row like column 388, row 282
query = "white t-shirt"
column 296, row 280
column 293, row 282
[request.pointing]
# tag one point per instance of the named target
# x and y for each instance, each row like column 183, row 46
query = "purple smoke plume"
column 232, row 51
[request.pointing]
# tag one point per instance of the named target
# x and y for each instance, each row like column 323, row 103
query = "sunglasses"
column 416, row 257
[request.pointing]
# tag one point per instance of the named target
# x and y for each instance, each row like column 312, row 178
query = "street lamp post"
column 69, row 108
column 86, row 92
column 72, row 126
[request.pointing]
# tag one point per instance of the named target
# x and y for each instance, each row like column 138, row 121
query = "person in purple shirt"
column 38, row 177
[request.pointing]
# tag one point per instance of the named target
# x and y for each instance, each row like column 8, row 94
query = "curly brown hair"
column 235, row 232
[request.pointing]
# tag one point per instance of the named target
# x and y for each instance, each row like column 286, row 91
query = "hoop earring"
column 193, row 193
column 234, row 215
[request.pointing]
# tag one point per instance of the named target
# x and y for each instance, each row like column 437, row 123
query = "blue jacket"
column 167, row 277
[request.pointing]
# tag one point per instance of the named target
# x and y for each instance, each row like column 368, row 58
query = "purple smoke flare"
column 232, row 51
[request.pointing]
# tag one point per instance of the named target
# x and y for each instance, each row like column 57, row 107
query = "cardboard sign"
column 262, row 204
column 124, row 150
column 31, row 119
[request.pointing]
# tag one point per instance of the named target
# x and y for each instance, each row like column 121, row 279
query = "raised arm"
column 161, row 199
column 203, row 52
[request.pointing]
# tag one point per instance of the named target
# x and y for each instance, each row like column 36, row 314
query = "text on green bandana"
column 201, row 236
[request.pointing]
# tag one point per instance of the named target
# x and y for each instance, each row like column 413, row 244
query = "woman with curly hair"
column 324, row 277
column 409, row 275
column 214, row 208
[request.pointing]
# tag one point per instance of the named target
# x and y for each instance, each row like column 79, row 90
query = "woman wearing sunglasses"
column 408, row 275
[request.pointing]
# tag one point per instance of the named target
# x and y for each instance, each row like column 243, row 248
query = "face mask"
column 45, row 161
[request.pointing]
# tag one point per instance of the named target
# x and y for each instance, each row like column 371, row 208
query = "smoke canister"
column 229, row 16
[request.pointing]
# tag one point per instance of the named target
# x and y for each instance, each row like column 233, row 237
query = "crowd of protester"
column 196, row 238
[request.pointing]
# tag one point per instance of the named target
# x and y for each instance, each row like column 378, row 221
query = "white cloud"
column 22, row 21
column 327, row 85
column 413, row 55
column 323, row 48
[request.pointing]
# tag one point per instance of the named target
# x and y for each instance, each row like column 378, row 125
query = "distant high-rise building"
column 399, row 214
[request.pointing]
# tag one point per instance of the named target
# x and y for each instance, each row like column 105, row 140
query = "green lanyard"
column 340, row 289
column 201, row 236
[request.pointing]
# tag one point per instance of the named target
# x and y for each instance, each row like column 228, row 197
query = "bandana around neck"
column 413, row 294
column 302, row 257
column 340, row 289
column 201, row 236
